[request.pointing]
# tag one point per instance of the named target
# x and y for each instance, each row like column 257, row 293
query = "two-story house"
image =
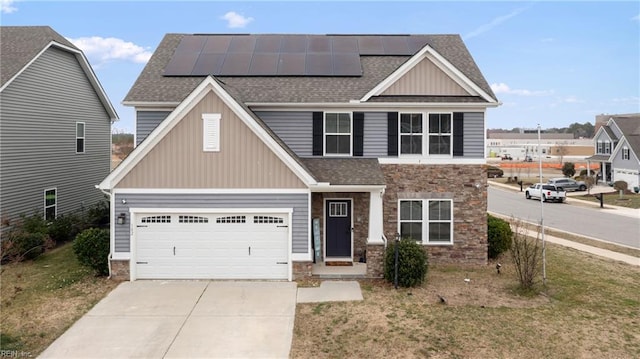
column 617, row 149
column 55, row 125
column 258, row 155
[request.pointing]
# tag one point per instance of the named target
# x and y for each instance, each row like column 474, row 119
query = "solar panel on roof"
column 269, row 43
column 181, row 64
column 319, row 44
column 236, row 64
column 217, row 44
column 264, row 64
column 341, row 44
column 242, row 44
column 394, row 45
column 291, row 64
column 416, row 43
column 191, row 44
column 208, row 64
column 294, row 43
column 370, row 45
column 345, row 64
column 318, row 64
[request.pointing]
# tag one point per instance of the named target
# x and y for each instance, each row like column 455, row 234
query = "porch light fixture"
column 121, row 218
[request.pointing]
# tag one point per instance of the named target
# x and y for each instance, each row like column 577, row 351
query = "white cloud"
column 235, row 20
column 495, row 22
column 7, row 7
column 572, row 99
column 632, row 100
column 504, row 88
column 104, row 49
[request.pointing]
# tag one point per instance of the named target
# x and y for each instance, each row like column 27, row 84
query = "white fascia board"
column 431, row 161
column 442, row 63
column 154, row 108
column 84, row 64
column 209, row 190
column 121, row 256
column 378, row 106
column 301, row 257
column 348, row 188
column 161, row 104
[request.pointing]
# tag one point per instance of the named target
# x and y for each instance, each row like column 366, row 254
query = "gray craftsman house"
column 617, row 149
column 55, row 125
column 279, row 156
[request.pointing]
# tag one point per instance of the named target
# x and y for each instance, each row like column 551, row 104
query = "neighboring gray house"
column 617, row 149
column 55, row 125
column 258, row 155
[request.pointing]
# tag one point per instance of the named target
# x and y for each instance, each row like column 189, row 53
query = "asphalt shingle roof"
column 630, row 127
column 346, row 171
column 20, row 44
column 153, row 86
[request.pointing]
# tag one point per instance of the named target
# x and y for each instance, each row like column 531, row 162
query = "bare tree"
column 526, row 253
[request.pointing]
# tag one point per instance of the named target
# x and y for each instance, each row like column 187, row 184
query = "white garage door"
column 212, row 246
column 629, row 176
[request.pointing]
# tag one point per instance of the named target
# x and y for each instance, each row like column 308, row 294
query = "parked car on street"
column 568, row 184
column 547, row 192
column 506, row 157
column 494, row 172
column 528, row 159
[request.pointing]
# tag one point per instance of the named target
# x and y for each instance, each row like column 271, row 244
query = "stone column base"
column 120, row 269
column 375, row 260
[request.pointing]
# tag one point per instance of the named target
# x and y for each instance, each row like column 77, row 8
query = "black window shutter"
column 358, row 133
column 392, row 133
column 458, row 134
column 318, row 133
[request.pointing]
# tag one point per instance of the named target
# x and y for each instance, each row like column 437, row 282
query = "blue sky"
column 550, row 63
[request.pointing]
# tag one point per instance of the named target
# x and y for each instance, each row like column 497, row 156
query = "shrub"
column 98, row 215
column 20, row 245
column 32, row 224
column 499, row 236
column 568, row 169
column 620, row 186
column 92, row 248
column 526, row 254
column 63, row 228
column 412, row 263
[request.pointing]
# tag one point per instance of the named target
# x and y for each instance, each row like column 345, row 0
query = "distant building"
column 521, row 145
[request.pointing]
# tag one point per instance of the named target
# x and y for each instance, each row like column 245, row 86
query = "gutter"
column 108, row 194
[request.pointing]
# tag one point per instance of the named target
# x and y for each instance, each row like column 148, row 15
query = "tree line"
column 585, row 130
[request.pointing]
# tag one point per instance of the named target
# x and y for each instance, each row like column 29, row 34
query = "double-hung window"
column 439, row 134
column 337, row 134
column 80, row 137
column 428, row 221
column 50, row 204
column 411, row 134
column 625, row 153
column 607, row 148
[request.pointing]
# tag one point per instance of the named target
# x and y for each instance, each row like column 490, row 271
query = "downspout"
column 108, row 194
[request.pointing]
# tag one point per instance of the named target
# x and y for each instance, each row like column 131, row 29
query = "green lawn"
column 614, row 199
column 42, row 298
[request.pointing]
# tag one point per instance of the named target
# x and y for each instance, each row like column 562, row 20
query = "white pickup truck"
column 547, row 192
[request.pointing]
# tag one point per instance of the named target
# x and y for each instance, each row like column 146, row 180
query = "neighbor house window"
column 625, row 153
column 211, row 132
column 411, row 134
column 607, row 147
column 80, row 137
column 600, row 148
column 337, row 133
column 50, row 204
column 439, row 133
column 427, row 221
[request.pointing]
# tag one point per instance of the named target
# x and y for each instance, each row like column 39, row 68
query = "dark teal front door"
column 338, row 236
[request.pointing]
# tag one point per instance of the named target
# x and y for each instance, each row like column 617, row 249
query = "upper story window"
column 607, row 148
column 600, row 148
column 337, row 134
column 211, row 132
column 625, row 153
column 411, row 134
column 80, row 137
column 439, row 133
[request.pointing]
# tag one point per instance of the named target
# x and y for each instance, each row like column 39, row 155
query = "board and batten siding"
column 425, row 79
column 298, row 201
column 147, row 121
column 38, row 115
column 294, row 128
column 473, row 135
column 178, row 159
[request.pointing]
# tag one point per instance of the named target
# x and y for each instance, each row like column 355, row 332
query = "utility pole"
column 544, row 249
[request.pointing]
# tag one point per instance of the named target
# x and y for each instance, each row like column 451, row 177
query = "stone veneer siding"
column 456, row 182
column 360, row 218
column 375, row 261
column 120, row 269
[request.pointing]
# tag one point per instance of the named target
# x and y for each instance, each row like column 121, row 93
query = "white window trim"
column 425, row 220
column 44, row 203
column 607, row 148
column 425, row 136
column 600, row 147
column 325, row 134
column 625, row 153
column 83, row 137
column 211, row 132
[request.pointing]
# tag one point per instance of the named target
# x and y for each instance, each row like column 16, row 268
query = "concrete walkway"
column 331, row 291
column 185, row 319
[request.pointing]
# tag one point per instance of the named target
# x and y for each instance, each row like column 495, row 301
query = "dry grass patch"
column 42, row 298
column 589, row 309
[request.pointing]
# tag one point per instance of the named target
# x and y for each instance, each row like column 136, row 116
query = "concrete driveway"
column 185, row 319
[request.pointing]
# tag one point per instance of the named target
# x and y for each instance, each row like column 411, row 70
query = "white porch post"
column 375, row 218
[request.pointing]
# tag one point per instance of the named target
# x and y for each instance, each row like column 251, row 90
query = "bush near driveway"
column 498, row 235
column 92, row 248
column 412, row 263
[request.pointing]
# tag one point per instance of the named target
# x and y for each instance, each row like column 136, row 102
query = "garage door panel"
column 216, row 246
